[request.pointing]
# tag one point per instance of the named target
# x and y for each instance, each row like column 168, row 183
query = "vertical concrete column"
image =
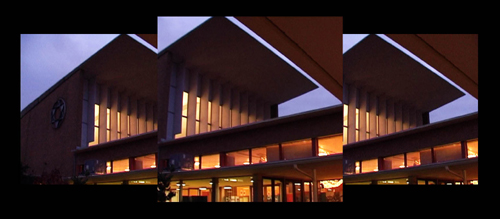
column 267, row 111
column 216, row 101
column 252, row 109
column 191, row 112
column 226, row 106
column 181, row 82
column 373, row 103
column 363, row 108
column 85, row 113
column 113, row 114
column 382, row 116
column 92, row 92
column 398, row 116
column 418, row 116
column 103, row 106
column 259, row 114
column 235, row 107
column 133, row 115
column 406, row 117
column 124, row 111
column 141, row 105
column 149, row 117
column 257, row 187
column 244, row 108
column 215, row 189
column 391, row 126
column 413, row 117
column 204, row 97
column 165, row 73
column 353, row 96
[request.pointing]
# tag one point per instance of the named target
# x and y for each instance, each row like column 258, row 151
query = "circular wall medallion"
column 57, row 113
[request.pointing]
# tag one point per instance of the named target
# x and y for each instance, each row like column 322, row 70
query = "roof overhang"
column 312, row 43
column 221, row 50
column 126, row 65
column 379, row 67
column 454, row 55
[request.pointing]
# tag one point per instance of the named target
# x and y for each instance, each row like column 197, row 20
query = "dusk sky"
column 45, row 59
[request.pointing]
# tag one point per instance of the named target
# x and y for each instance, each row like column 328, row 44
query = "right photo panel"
column 410, row 109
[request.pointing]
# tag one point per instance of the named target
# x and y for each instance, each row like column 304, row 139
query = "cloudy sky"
column 45, row 59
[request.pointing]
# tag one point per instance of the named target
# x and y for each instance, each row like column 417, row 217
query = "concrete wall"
column 44, row 148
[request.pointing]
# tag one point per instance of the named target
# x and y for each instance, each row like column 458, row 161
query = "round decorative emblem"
column 57, row 113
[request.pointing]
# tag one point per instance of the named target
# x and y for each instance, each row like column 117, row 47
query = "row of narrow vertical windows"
column 184, row 116
column 108, row 125
column 357, row 125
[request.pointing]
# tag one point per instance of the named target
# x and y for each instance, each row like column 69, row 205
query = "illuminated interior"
column 330, row 145
column 369, row 166
column 238, row 158
column 259, row 155
column 108, row 124
column 121, row 166
column 96, row 126
column 345, row 128
column 145, row 162
column 197, row 123
column 472, row 148
column 118, row 125
column 394, row 162
column 185, row 97
column 210, row 161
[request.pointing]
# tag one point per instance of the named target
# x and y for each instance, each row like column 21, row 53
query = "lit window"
column 108, row 167
column 210, row 161
column 394, row 162
column 357, row 167
column 128, row 125
column 185, row 96
column 198, row 109
column 108, row 124
column 345, row 131
column 367, row 125
column 377, row 126
column 118, row 125
column 259, row 155
column 238, row 158
column 357, row 124
column 209, row 122
column 472, row 148
column 145, row 162
column 220, row 117
column 413, row 159
column 96, row 126
column 369, row 166
column 121, row 165
column 329, row 145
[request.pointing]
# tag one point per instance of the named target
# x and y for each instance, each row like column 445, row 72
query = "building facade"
column 387, row 135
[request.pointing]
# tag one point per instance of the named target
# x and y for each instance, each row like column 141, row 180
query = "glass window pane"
column 185, row 96
column 259, row 155
column 413, row 159
column 237, row 158
column 394, row 162
column 346, row 110
column 210, row 161
column 145, row 162
column 183, row 128
column 330, row 145
column 297, row 149
column 121, row 165
column 369, row 166
column 472, row 148
column 448, row 152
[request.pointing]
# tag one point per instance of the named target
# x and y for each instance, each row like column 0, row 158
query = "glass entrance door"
column 272, row 190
